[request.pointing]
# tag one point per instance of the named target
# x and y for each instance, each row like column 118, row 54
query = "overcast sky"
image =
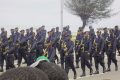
column 26, row 13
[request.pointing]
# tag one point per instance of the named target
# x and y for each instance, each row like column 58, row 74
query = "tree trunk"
column 84, row 24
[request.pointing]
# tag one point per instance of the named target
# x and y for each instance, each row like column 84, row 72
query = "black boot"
column 116, row 68
column 104, row 70
column 77, row 65
column 83, row 74
column 1, row 70
column 96, row 72
column 18, row 65
column 108, row 70
column 62, row 66
column 91, row 71
column 75, row 76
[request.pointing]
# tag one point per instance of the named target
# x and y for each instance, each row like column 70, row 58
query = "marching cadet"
column 32, row 51
column 78, row 40
column 23, row 46
column 118, row 43
column 12, row 36
column 111, row 52
column 1, row 58
column 98, row 45
column 57, row 36
column 54, row 39
column 92, row 37
column 4, row 42
column 38, row 36
column 85, row 55
column 16, row 39
column 117, row 34
column 105, row 35
column 40, row 40
column 62, row 46
column 69, row 56
column 10, row 49
column 50, row 49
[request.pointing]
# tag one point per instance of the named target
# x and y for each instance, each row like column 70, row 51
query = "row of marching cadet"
column 88, row 45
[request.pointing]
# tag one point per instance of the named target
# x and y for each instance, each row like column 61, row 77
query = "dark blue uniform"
column 2, row 57
column 4, row 42
column 69, row 57
column 111, row 51
column 32, row 51
column 23, row 47
column 16, row 39
column 105, row 35
column 10, row 56
column 117, row 34
column 65, row 34
column 78, row 40
column 40, row 42
column 85, row 55
column 55, row 39
column 62, row 44
column 98, row 45
column 92, row 37
column 118, row 44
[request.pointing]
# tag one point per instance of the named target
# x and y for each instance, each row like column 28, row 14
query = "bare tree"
column 89, row 10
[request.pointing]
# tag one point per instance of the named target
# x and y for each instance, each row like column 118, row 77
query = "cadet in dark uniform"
column 118, row 44
column 69, row 57
column 41, row 35
column 10, row 49
column 78, row 40
column 53, row 40
column 117, row 34
column 105, row 35
column 4, row 42
column 111, row 52
column 57, row 36
column 92, row 37
column 13, row 38
column 98, row 45
column 62, row 45
column 32, row 51
column 16, row 39
column 85, row 55
column 23, row 46
column 50, row 47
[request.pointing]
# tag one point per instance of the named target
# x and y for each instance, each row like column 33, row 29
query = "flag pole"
column 61, row 15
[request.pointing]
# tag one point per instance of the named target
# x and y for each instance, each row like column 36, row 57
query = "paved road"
column 113, row 75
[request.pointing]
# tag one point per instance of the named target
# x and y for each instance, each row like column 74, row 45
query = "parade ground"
column 113, row 75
